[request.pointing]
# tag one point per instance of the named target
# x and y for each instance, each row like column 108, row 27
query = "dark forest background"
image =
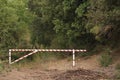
column 88, row 24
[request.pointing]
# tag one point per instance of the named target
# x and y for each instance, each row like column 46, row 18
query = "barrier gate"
column 32, row 51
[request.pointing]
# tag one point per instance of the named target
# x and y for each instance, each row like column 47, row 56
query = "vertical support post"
column 9, row 56
column 73, row 57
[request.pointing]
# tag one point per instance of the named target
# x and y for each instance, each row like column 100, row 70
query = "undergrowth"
column 117, row 67
column 105, row 59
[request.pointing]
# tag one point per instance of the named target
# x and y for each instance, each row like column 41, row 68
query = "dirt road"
column 86, row 69
column 36, row 74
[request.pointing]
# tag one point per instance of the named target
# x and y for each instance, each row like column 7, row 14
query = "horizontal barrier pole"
column 49, row 50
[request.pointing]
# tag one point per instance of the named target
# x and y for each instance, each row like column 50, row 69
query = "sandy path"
column 85, row 69
column 36, row 74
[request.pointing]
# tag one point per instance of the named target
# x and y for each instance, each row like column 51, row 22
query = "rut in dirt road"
column 80, row 74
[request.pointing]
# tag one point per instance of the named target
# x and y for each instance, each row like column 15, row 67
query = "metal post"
column 73, row 57
column 9, row 56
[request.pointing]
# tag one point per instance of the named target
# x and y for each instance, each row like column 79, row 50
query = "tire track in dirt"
column 81, row 74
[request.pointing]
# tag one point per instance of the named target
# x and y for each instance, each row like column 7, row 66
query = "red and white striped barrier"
column 32, row 51
column 49, row 50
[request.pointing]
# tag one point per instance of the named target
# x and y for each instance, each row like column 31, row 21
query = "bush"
column 46, row 56
column 105, row 60
column 118, row 66
column 117, row 76
column 1, row 65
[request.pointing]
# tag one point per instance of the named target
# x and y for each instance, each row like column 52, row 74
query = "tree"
column 72, row 24
column 60, row 22
column 14, row 24
column 103, row 20
column 42, row 26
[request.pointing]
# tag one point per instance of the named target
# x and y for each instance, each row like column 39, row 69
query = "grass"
column 39, row 59
column 4, row 66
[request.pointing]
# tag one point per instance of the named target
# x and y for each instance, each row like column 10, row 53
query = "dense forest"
column 59, row 24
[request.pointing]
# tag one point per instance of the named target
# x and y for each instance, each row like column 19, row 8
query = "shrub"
column 117, row 76
column 1, row 65
column 105, row 60
column 118, row 66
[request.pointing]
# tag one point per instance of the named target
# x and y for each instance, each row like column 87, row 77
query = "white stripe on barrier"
column 73, row 57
